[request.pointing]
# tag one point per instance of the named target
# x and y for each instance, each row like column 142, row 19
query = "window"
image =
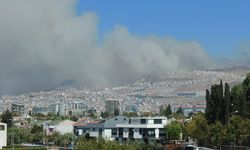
column 140, row 131
column 143, row 121
column 157, row 121
column 124, row 119
column 114, row 131
column 93, row 129
column 151, row 132
column 116, row 119
column 2, row 127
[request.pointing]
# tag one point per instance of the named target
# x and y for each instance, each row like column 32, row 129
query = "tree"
column 198, row 128
column 173, row 131
column 104, row 114
column 116, row 112
column 74, row 118
column 238, row 130
column 168, row 111
column 130, row 114
column 7, row 118
column 179, row 111
column 227, row 102
column 216, row 133
column 238, row 103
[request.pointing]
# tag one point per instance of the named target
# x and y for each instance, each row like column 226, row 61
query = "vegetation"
column 221, row 106
column 167, row 111
column 173, row 131
column 116, row 112
column 94, row 144
column 7, row 117
column 227, row 116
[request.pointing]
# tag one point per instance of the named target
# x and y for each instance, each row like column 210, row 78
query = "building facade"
column 3, row 135
column 111, row 105
column 122, row 128
column 18, row 108
column 150, row 128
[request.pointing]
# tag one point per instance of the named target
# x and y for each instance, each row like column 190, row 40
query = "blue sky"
column 220, row 26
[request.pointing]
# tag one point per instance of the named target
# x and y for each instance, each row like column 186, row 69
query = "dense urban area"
column 179, row 89
column 173, row 108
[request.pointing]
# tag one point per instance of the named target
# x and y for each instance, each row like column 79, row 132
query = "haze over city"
column 45, row 43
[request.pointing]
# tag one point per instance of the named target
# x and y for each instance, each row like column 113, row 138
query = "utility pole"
column 13, row 140
column 73, row 141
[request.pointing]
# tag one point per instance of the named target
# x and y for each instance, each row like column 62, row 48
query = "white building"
column 123, row 128
column 105, row 128
column 3, row 135
column 151, row 128
column 62, row 127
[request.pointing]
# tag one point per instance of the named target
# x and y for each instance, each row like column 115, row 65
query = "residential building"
column 151, row 128
column 40, row 110
column 18, row 108
column 3, row 135
column 102, row 128
column 68, row 108
column 111, row 105
column 122, row 128
column 62, row 127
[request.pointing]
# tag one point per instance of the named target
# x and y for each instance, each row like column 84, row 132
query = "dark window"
column 143, row 121
column 93, row 129
column 140, row 131
column 114, row 131
column 151, row 132
column 2, row 127
column 124, row 119
column 157, row 121
column 115, row 119
column 100, row 131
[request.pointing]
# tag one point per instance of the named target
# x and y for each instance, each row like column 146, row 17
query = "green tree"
column 238, row 130
column 198, row 128
column 116, row 112
column 227, row 102
column 104, row 114
column 73, row 118
column 179, row 111
column 216, row 133
column 173, row 131
column 238, row 104
column 168, row 111
column 130, row 114
column 7, row 118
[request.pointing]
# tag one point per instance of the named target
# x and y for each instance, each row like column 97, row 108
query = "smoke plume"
column 44, row 42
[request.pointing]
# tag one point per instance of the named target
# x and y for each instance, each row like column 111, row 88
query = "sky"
column 44, row 43
column 221, row 27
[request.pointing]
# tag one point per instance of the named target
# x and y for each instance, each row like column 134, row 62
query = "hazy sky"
column 220, row 26
column 111, row 42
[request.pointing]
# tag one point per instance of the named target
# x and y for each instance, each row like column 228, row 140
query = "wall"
column 3, row 134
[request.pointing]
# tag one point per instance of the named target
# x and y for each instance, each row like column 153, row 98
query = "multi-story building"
column 151, row 128
column 111, row 105
column 18, row 108
column 122, row 128
column 62, row 127
column 103, row 128
column 68, row 108
column 40, row 110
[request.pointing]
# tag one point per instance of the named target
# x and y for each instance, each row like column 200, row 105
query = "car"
column 192, row 147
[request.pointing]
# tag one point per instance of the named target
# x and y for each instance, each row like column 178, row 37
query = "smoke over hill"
column 44, row 42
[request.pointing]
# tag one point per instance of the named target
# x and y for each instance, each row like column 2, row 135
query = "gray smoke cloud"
column 44, row 42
